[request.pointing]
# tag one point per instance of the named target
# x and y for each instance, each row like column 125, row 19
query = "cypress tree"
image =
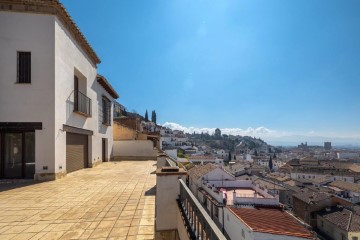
column 146, row 116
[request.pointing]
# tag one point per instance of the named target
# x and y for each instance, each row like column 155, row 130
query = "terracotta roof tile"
column 197, row 172
column 310, row 196
column 271, row 220
column 355, row 187
column 343, row 218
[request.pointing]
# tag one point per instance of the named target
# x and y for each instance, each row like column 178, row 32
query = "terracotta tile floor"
column 115, row 200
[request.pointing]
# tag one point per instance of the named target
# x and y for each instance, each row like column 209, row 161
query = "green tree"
column 274, row 156
column 234, row 157
column 256, row 153
column 146, row 116
column 271, row 164
column 229, row 156
column 153, row 116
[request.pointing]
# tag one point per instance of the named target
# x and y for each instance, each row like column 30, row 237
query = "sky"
column 267, row 68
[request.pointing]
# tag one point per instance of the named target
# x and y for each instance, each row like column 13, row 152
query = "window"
column 355, row 238
column 106, row 111
column 23, row 67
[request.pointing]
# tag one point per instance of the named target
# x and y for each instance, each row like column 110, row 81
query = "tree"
column 256, row 153
column 146, row 116
column 153, row 116
column 229, row 156
column 274, row 156
column 234, row 157
column 271, row 164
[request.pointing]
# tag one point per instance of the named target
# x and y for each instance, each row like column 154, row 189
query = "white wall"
column 71, row 60
column 167, row 191
column 29, row 102
column 235, row 228
column 134, row 148
column 310, row 176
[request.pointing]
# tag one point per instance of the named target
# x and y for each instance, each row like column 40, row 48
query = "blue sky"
column 292, row 67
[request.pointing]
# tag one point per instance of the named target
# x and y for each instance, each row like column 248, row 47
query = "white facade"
column 56, row 57
column 321, row 176
column 347, row 155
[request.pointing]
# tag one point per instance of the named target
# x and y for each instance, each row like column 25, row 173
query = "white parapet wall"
column 134, row 150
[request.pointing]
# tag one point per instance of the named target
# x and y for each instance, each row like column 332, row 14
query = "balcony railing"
column 197, row 221
column 82, row 104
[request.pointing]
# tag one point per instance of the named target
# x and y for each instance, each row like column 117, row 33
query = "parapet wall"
column 134, row 150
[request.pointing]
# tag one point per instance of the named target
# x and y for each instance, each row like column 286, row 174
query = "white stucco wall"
column 55, row 58
column 310, row 176
column 71, row 60
column 29, row 102
column 167, row 191
column 134, row 148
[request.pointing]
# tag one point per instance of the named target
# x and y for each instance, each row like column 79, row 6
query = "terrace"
column 113, row 200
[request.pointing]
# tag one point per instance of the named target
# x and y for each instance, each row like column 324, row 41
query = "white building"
column 244, row 210
column 309, row 176
column 56, row 111
column 347, row 155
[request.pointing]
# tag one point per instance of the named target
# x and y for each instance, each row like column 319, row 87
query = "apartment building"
column 55, row 109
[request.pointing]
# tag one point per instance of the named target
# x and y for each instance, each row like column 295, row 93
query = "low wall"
column 134, row 150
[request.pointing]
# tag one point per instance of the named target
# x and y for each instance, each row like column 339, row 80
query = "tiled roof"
column 200, row 156
column 355, row 167
column 107, row 86
column 343, row 218
column 354, row 187
column 268, row 184
column 310, row 196
column 197, row 172
column 271, row 220
column 53, row 7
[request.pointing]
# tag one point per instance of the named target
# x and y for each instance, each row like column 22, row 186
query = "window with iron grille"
column 106, row 108
column 23, row 67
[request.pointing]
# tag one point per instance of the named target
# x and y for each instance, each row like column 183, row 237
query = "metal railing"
column 197, row 221
column 82, row 103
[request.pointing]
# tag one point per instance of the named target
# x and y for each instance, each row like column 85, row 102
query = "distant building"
column 327, row 145
column 339, row 223
column 347, row 155
column 303, row 146
column 241, row 208
column 217, row 133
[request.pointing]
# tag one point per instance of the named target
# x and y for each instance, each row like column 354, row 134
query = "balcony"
column 197, row 221
column 82, row 104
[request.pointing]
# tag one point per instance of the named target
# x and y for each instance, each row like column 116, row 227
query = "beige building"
column 339, row 224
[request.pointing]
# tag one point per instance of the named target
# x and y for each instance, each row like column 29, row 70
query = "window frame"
column 106, row 111
column 23, row 68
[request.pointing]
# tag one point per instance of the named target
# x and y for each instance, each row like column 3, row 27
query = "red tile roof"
column 272, row 221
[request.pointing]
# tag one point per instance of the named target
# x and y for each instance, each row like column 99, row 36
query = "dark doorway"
column 104, row 149
column 17, row 154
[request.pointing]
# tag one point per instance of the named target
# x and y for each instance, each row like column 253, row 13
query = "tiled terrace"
column 112, row 201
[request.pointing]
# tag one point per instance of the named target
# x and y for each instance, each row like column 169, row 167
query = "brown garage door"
column 76, row 151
